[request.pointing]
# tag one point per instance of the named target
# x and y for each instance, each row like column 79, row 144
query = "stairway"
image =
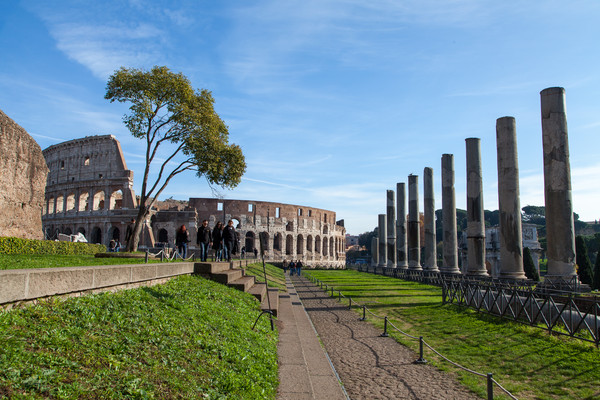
column 223, row 272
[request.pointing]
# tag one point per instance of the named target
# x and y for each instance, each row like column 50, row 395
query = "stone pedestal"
column 402, row 259
column 511, row 236
column 449, row 216
column 391, row 228
column 560, row 231
column 475, row 217
column 414, row 240
column 382, row 241
column 430, row 255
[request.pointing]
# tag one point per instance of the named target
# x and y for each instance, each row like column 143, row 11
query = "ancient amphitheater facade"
column 90, row 190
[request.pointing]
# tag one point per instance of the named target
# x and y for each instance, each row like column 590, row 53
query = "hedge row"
column 13, row 245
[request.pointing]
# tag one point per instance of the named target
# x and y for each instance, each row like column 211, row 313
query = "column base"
column 450, row 270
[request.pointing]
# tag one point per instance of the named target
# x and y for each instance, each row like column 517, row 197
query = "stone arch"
column 300, row 245
column 277, row 241
column 70, row 202
column 84, row 201
column 265, row 237
column 325, row 245
column 325, row 229
column 98, row 201
column 50, row 208
column 318, row 244
column 331, row 247
column 116, row 200
column 163, row 236
column 96, row 236
column 289, row 227
column 309, row 243
column 114, row 233
column 67, row 231
column 289, row 245
column 249, row 242
column 81, row 230
column 60, row 200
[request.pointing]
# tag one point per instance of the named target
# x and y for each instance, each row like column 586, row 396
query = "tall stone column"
column 374, row 251
column 430, row 255
column 560, row 231
column 449, row 216
column 511, row 235
column 391, row 229
column 475, row 219
column 414, row 241
column 402, row 259
column 382, row 241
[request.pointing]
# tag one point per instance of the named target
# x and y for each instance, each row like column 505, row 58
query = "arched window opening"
column 300, row 245
column 289, row 245
column 96, row 235
column 116, row 200
column 60, row 201
column 318, row 245
column 163, row 236
column 249, row 242
column 84, row 201
column 277, row 242
column 71, row 202
column 99, row 201
column 309, row 243
column 325, row 246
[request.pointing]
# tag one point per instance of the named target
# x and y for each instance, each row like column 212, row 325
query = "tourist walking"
column 292, row 267
column 204, row 239
column 229, row 239
column 217, row 239
column 298, row 267
column 182, row 238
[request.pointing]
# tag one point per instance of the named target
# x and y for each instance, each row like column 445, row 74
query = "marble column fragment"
column 402, row 259
column 430, row 255
column 382, row 241
column 413, row 231
column 450, row 244
column 511, row 235
column 475, row 218
column 560, row 232
column 374, row 251
column 391, row 228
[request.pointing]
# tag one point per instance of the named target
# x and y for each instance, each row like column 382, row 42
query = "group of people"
column 294, row 266
column 223, row 239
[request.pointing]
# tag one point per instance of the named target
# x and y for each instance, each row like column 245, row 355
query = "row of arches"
column 88, row 200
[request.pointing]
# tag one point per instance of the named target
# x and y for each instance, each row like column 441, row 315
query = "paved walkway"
column 370, row 367
column 304, row 369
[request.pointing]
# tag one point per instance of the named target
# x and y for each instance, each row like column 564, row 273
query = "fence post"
column 443, row 291
column 146, row 257
column 364, row 317
column 349, row 303
column 339, row 295
column 490, row 387
column 421, row 360
column 162, row 255
column 384, row 334
column 332, row 291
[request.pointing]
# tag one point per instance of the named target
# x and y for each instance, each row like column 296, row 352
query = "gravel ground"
column 372, row 367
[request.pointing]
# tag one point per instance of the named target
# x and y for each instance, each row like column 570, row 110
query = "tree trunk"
column 132, row 245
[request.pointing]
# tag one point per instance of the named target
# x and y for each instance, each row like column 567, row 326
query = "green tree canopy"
column 166, row 111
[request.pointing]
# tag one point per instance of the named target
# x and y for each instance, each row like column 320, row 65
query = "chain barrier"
column 489, row 377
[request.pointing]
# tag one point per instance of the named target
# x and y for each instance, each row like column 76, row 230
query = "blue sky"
column 332, row 102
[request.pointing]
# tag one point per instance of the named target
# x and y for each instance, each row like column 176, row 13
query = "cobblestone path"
column 372, row 367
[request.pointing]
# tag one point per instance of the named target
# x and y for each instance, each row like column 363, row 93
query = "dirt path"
column 372, row 367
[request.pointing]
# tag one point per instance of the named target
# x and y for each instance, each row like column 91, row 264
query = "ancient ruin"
column 23, row 181
column 90, row 190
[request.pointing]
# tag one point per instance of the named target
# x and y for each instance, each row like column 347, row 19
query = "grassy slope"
column 275, row 275
column 527, row 361
column 52, row 261
column 189, row 338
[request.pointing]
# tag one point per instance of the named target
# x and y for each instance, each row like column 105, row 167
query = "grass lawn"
column 275, row 276
column 527, row 361
column 188, row 338
column 52, row 261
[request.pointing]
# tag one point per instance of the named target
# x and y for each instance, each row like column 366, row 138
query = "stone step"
column 243, row 283
column 259, row 290
column 228, row 276
column 273, row 300
column 210, row 267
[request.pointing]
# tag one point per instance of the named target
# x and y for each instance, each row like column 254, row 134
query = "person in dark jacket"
column 229, row 238
column 182, row 238
column 204, row 239
column 217, row 239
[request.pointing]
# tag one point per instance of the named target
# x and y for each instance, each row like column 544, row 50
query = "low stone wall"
column 27, row 285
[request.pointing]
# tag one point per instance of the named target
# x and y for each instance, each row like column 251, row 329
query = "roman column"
column 382, row 241
column 449, row 216
column 374, row 251
column 414, row 243
column 509, row 205
column 401, row 261
column 475, row 220
column 560, row 232
column 391, row 229
column 430, row 255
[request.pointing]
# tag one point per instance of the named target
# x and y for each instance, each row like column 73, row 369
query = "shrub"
column 13, row 245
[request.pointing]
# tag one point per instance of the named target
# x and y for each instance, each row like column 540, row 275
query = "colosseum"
column 90, row 191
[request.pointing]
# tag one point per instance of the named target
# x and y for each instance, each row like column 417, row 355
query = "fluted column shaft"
column 414, row 240
column 402, row 259
column 382, row 241
column 475, row 216
column 391, row 228
column 449, row 216
column 430, row 255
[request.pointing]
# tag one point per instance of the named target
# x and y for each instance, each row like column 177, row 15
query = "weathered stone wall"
column 22, row 182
